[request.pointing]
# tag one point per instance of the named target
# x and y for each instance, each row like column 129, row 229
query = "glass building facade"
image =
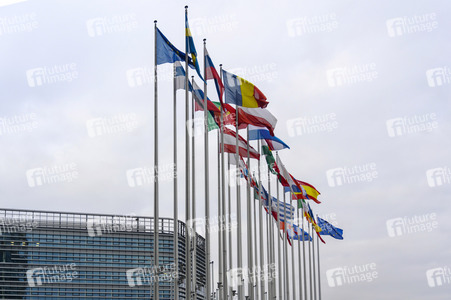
column 56, row 255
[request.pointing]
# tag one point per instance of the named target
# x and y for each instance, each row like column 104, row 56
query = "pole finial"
column 205, row 40
column 186, row 6
column 220, row 65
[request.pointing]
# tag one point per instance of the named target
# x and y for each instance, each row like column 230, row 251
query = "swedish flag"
column 190, row 49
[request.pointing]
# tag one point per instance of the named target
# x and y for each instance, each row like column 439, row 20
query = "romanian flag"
column 211, row 73
column 190, row 49
column 241, row 92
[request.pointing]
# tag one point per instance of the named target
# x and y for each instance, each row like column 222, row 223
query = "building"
column 60, row 255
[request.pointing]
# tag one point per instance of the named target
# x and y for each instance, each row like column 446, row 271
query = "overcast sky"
column 361, row 92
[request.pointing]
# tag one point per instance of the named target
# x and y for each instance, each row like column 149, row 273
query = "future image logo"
column 438, row 277
column 312, row 124
column 53, row 274
column 438, row 76
column 48, row 75
column 411, row 124
column 312, row 24
column 348, row 275
column 111, row 24
column 409, row 225
column 438, row 176
column 52, row 174
column 350, row 75
column 407, row 25
column 348, row 175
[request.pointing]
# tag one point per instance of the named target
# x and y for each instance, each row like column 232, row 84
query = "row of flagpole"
column 256, row 289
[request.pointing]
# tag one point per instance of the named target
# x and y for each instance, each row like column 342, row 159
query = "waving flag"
column 270, row 160
column 301, row 235
column 241, row 92
column 329, row 229
column 190, row 49
column 180, row 77
column 273, row 142
column 199, row 98
column 211, row 73
column 167, row 53
column 308, row 192
column 230, row 144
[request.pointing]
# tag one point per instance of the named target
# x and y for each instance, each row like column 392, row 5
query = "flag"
column 301, row 235
column 308, row 192
column 273, row 142
column 286, row 210
column 269, row 157
column 180, row 77
column 199, row 98
column 190, row 49
column 243, row 169
column 167, row 53
column 329, row 229
column 211, row 73
column 230, row 144
column 241, row 92
column 260, row 117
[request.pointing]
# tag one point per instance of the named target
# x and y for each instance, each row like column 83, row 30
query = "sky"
column 361, row 91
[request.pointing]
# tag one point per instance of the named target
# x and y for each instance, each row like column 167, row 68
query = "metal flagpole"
column 155, row 172
column 250, row 258
column 310, row 263
column 193, row 200
column 314, row 262
column 254, row 214
column 286, row 286
column 176, row 260
column 238, row 212
column 279, row 262
column 299, row 256
column 229, row 220
column 272, row 260
column 292, row 266
column 261, row 272
column 224, row 243
column 319, row 272
column 220, row 231
column 207, row 175
column 187, row 178
column 303, row 256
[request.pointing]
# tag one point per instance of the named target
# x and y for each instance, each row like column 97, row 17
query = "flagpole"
column 260, row 219
column 310, row 263
column 250, row 258
column 207, row 191
column 319, row 273
column 187, row 176
column 279, row 261
column 224, row 243
column 238, row 213
column 271, row 238
column 286, row 287
column 193, row 198
column 292, row 267
column 299, row 255
column 175, row 241
column 254, row 214
column 220, row 231
column 229, row 220
column 314, row 262
column 303, row 256
column 155, row 170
